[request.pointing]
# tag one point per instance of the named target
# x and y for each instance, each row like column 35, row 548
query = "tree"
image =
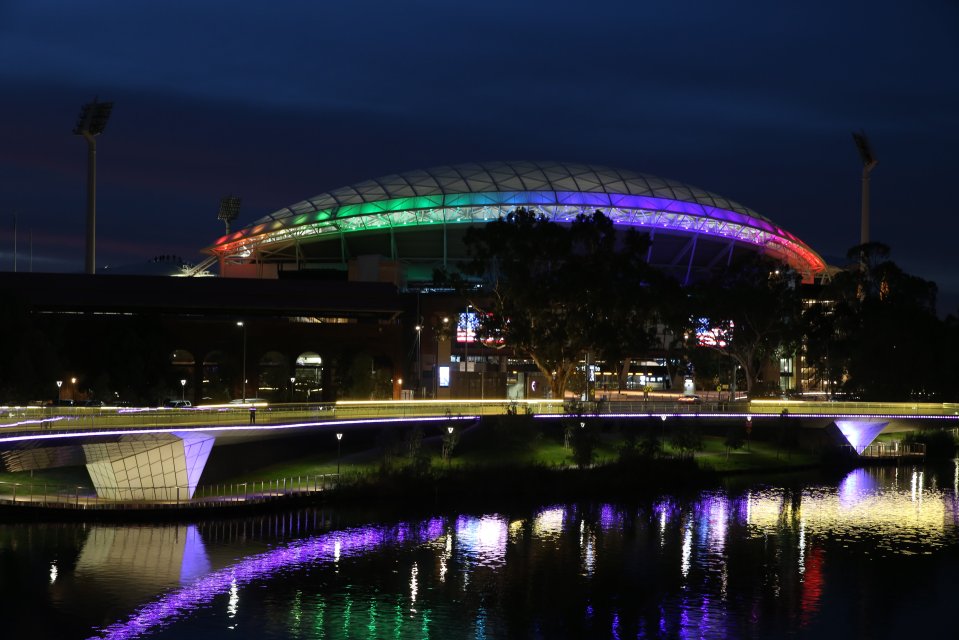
column 735, row 438
column 875, row 328
column 554, row 291
column 584, row 444
column 755, row 308
column 686, row 438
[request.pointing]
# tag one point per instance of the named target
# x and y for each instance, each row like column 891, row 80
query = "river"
column 871, row 554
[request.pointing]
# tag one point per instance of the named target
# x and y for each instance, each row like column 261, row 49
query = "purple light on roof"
column 860, row 433
column 325, row 548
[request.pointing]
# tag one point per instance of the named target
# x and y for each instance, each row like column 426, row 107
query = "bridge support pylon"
column 149, row 466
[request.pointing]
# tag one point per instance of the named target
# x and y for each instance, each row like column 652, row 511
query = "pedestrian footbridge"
column 160, row 453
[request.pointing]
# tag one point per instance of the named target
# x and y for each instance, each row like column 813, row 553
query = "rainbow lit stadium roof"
column 420, row 217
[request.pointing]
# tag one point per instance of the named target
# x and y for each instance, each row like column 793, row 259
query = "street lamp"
column 419, row 365
column 339, row 439
column 182, row 388
column 466, row 343
column 449, row 446
column 59, row 391
column 445, row 334
column 292, row 386
column 240, row 324
column 91, row 123
column 73, row 381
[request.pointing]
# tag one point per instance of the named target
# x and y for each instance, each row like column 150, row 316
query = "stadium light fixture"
column 229, row 210
column 90, row 124
column 869, row 162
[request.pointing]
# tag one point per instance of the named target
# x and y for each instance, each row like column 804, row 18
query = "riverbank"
column 512, row 457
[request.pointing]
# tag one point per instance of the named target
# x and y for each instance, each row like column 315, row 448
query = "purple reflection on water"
column 483, row 540
column 857, row 484
column 195, row 563
column 610, row 518
column 296, row 554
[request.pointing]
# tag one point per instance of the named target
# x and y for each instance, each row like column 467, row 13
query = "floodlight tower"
column 229, row 210
column 91, row 123
column 869, row 162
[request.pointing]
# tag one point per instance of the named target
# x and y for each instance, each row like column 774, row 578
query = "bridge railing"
column 894, row 450
column 26, row 420
column 59, row 419
column 45, row 494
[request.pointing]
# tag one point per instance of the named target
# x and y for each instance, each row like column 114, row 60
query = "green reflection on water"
column 319, row 626
column 371, row 627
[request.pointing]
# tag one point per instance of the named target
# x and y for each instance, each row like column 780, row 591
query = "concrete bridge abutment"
column 148, row 467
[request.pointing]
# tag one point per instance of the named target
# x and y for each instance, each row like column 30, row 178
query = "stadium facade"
column 400, row 227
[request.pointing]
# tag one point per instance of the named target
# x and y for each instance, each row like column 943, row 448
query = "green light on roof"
column 389, row 206
column 349, row 210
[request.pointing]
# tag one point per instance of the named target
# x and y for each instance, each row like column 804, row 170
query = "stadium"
column 399, row 228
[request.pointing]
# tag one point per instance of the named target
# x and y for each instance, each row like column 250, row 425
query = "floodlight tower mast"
column 229, row 210
column 91, row 123
column 869, row 162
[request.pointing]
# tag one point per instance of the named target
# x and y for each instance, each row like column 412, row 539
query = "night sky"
column 276, row 102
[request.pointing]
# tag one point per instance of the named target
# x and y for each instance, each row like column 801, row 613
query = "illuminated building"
column 399, row 227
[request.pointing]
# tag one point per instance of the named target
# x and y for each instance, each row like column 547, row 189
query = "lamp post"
column 73, row 381
column 466, row 343
column 182, row 388
column 292, row 386
column 442, row 332
column 419, row 366
column 243, row 327
column 339, row 439
column 59, row 391
column 449, row 446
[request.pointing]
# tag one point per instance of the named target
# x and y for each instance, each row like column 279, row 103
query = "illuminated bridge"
column 126, row 450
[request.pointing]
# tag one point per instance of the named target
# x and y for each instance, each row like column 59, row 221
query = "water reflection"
column 296, row 554
column 867, row 504
column 482, row 541
column 763, row 562
column 141, row 558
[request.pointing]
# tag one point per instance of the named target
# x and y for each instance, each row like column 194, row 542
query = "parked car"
column 179, row 404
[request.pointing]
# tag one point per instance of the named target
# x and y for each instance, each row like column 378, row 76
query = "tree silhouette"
column 554, row 291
